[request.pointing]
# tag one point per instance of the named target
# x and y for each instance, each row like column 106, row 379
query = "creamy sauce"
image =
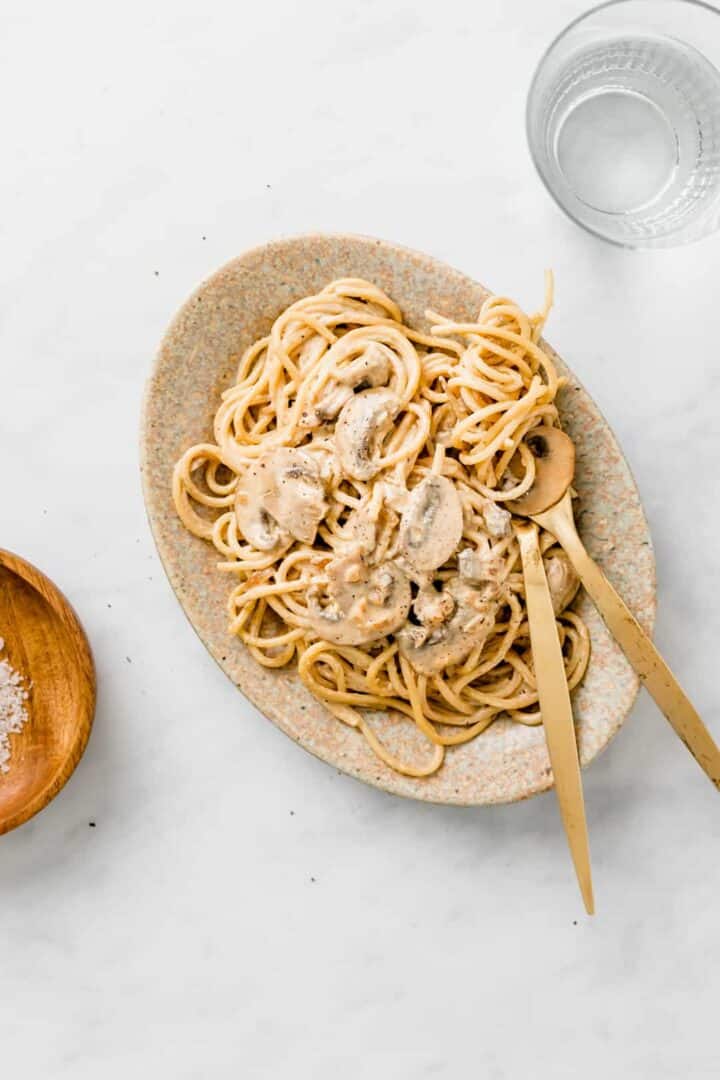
column 478, row 566
column 434, row 645
column 280, row 497
column 395, row 539
column 357, row 603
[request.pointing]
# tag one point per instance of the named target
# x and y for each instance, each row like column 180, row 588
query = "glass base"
column 617, row 151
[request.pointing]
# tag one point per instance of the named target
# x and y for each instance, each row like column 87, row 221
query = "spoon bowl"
column 46, row 644
column 554, row 454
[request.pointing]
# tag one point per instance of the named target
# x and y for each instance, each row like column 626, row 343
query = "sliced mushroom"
column 363, row 423
column 361, row 603
column 432, row 523
column 329, row 405
column 257, row 526
column 430, row 649
column 280, row 496
column 370, row 369
column 562, row 579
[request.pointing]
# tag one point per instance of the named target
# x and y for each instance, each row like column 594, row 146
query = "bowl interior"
column 46, row 645
column 196, row 362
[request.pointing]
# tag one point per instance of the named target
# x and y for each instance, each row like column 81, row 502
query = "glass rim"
column 536, row 73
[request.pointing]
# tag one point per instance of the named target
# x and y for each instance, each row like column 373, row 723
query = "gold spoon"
column 555, row 707
column 548, row 503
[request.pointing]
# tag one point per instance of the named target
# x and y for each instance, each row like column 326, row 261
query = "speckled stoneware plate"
column 196, row 362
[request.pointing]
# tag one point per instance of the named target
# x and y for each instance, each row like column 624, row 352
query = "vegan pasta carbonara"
column 359, row 492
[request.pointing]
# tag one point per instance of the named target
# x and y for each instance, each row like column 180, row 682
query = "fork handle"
column 639, row 649
column 555, row 708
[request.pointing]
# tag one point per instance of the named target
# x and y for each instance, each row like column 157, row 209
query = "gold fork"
column 555, row 707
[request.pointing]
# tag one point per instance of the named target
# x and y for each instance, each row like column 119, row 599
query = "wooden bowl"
column 197, row 361
column 46, row 644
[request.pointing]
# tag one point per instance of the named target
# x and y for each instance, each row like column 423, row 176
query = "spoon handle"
column 556, row 708
column 635, row 643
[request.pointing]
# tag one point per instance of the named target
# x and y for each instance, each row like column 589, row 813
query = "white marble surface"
column 240, row 909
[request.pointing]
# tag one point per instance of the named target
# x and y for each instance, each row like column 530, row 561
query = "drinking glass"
column 623, row 121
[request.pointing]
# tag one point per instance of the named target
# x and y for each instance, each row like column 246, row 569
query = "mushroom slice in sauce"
column 363, row 423
column 365, row 603
column 562, row 579
column 432, row 523
column 430, row 649
column 280, row 496
column 370, row 369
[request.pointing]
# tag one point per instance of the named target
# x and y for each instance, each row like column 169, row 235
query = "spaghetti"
column 358, row 490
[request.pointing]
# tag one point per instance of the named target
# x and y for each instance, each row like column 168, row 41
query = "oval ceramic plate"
column 196, row 362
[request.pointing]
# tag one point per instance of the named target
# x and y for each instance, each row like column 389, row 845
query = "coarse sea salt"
column 13, row 713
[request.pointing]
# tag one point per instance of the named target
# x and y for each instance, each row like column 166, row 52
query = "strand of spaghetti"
column 309, row 660
column 278, row 659
column 529, row 719
column 503, row 439
column 264, row 642
column 438, row 756
column 261, row 591
column 416, row 703
column 464, row 430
